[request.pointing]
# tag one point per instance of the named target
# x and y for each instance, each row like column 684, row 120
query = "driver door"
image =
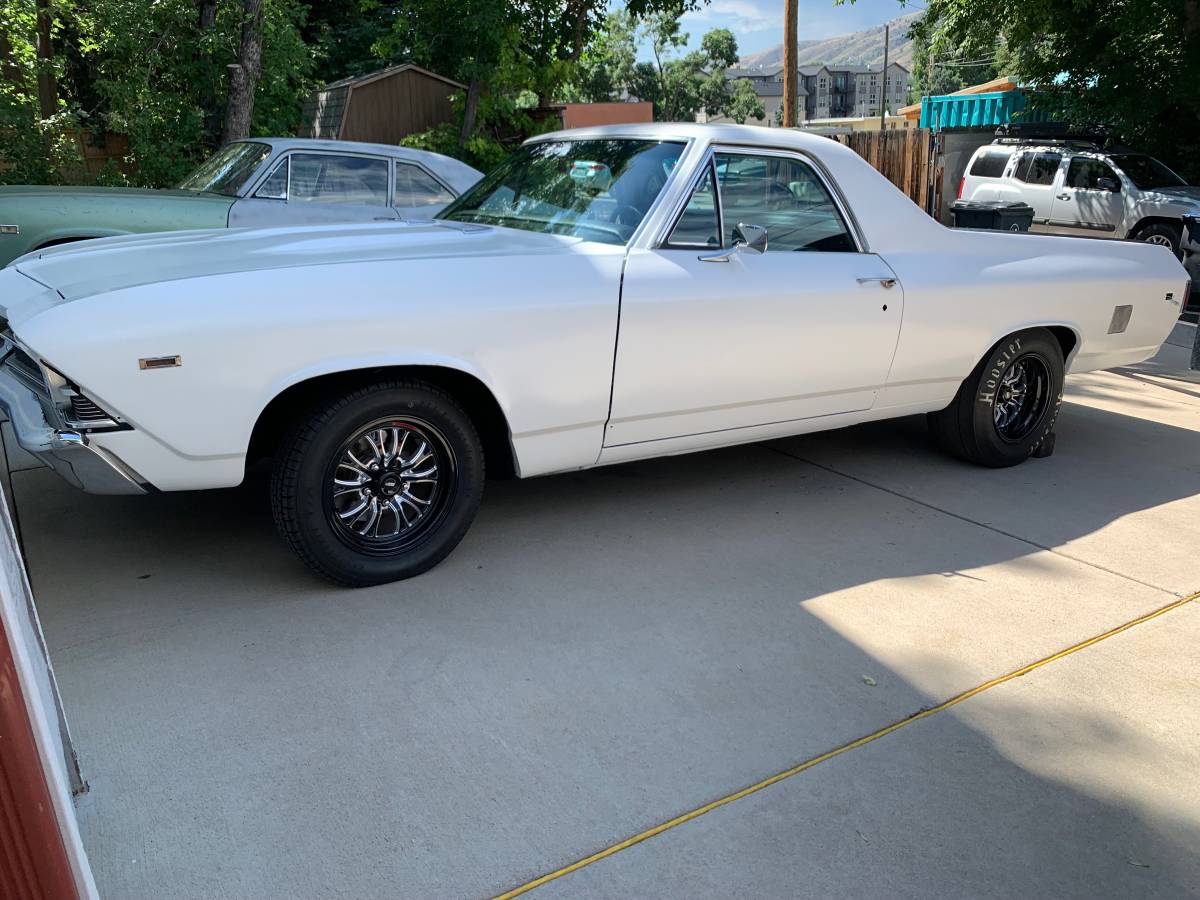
column 1090, row 201
column 714, row 338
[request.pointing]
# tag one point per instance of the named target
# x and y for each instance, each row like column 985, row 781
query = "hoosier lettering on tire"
column 1008, row 405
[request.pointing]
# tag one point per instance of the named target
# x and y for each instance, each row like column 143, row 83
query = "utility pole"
column 791, row 72
column 887, row 33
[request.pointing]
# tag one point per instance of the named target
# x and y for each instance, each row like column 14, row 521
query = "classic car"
column 264, row 181
column 722, row 284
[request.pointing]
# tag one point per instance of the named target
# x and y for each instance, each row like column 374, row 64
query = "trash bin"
column 998, row 215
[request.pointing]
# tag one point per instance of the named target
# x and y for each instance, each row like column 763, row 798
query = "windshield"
column 227, row 170
column 599, row 190
column 1147, row 172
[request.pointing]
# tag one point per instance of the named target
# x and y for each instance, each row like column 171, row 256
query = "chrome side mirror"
column 751, row 238
column 746, row 239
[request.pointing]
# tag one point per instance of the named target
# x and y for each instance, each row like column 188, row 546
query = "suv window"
column 989, row 165
column 1037, row 168
column 415, row 187
column 1083, row 174
column 783, row 195
column 329, row 178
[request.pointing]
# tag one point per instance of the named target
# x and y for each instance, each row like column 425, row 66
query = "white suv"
column 1076, row 188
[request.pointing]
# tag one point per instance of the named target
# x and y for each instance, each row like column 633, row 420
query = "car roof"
column 460, row 175
column 689, row 131
column 291, row 143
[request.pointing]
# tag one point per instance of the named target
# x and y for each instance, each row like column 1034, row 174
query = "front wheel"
column 1162, row 235
column 1007, row 407
column 379, row 484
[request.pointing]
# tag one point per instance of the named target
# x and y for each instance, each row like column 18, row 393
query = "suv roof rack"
column 1047, row 142
column 1087, row 137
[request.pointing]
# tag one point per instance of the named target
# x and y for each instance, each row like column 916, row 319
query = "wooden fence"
column 905, row 158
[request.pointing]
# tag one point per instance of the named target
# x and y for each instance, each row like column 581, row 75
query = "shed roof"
column 358, row 80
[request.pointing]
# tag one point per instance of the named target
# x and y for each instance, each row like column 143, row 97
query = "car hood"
column 84, row 269
column 1187, row 192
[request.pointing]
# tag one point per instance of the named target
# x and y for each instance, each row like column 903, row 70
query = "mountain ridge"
column 859, row 47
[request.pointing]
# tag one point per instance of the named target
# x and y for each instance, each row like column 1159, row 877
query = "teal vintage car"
column 256, row 183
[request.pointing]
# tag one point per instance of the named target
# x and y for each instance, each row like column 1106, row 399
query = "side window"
column 328, row 178
column 1037, row 168
column 1085, row 174
column 698, row 225
column 275, row 187
column 783, row 195
column 989, row 165
column 416, row 187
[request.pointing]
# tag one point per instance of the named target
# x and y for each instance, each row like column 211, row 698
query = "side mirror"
column 1108, row 184
column 751, row 238
column 746, row 239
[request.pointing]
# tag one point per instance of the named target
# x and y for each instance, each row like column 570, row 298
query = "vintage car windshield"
column 228, row 169
column 599, row 190
column 1146, row 172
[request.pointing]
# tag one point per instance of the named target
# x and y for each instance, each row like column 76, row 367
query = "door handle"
column 1063, row 197
column 886, row 280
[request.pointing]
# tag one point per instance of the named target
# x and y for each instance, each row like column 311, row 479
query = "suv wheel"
column 1161, row 234
column 379, row 484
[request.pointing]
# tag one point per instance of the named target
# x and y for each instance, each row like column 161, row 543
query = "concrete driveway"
column 609, row 650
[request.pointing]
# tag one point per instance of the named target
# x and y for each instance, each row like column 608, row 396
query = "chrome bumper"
column 69, row 453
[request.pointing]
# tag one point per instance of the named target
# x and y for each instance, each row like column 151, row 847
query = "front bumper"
column 67, row 452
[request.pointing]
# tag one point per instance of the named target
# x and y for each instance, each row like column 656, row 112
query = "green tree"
column 679, row 86
column 605, row 68
column 154, row 70
column 743, row 103
column 1125, row 63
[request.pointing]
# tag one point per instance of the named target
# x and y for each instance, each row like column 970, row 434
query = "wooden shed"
column 380, row 107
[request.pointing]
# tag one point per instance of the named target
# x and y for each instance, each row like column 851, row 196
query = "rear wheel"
column 380, row 484
column 1007, row 407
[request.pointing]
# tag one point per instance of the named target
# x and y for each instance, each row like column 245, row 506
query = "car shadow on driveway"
column 611, row 648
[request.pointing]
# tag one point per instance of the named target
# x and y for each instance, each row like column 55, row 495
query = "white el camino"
column 605, row 295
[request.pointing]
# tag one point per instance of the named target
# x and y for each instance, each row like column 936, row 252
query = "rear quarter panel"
column 974, row 288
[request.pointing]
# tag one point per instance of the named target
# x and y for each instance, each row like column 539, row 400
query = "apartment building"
column 830, row 91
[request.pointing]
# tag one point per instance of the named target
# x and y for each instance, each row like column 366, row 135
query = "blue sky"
column 758, row 24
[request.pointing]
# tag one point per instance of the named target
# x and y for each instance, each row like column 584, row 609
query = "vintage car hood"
column 94, row 267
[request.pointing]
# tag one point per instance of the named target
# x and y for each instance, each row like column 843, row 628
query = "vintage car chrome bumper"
column 68, row 452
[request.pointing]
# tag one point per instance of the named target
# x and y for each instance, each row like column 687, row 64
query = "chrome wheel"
column 388, row 484
column 1021, row 398
column 1160, row 239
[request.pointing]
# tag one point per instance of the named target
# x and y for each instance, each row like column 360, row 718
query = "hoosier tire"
column 1008, row 406
column 378, row 484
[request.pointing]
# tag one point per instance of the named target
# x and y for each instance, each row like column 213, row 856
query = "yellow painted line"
column 837, row 751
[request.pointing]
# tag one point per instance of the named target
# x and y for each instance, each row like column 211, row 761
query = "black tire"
column 985, row 424
column 314, row 514
column 1161, row 233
